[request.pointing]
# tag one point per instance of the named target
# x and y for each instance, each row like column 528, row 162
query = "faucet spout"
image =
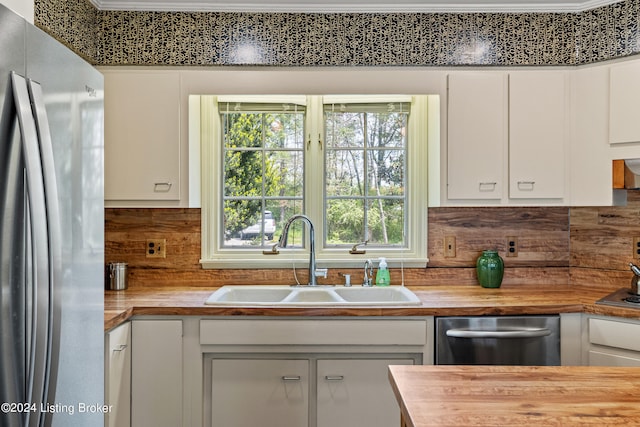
column 312, row 245
column 368, row 275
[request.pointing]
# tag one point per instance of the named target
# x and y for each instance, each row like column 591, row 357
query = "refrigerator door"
column 13, row 315
column 38, row 279
column 72, row 92
column 51, row 335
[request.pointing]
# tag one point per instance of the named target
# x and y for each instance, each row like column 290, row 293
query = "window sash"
column 367, row 199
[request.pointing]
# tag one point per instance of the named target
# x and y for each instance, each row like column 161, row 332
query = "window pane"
column 344, row 129
column 387, row 130
column 285, row 170
column 282, row 210
column 385, row 222
column 242, row 130
column 385, row 172
column 344, row 173
column 285, row 131
column 243, row 173
column 241, row 221
column 345, row 221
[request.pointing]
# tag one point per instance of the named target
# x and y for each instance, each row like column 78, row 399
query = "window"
column 355, row 165
column 365, row 169
column 263, row 164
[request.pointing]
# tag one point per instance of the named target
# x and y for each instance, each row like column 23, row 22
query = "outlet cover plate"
column 156, row 248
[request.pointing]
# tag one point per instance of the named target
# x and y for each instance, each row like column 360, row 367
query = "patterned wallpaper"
column 287, row 39
column 72, row 22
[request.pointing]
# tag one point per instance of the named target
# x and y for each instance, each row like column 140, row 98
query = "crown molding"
column 383, row 6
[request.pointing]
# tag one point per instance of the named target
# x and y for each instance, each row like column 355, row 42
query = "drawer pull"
column 487, row 186
column 334, row 377
column 291, row 378
column 526, row 185
column 121, row 347
column 162, row 187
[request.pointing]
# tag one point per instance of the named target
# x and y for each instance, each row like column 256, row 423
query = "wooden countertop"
column 436, row 301
column 460, row 396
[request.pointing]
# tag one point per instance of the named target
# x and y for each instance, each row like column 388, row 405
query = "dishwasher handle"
column 511, row 333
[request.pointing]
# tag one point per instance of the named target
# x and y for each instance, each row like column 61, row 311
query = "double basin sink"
column 317, row 296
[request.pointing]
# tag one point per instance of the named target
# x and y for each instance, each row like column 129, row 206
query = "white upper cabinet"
column 538, row 134
column 513, row 125
column 476, row 129
column 624, row 109
column 142, row 136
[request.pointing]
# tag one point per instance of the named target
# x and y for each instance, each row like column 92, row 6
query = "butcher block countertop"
column 476, row 396
column 436, row 301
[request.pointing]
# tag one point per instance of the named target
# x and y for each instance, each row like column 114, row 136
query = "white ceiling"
column 364, row 6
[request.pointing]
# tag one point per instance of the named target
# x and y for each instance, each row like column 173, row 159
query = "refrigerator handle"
column 54, row 228
column 37, row 359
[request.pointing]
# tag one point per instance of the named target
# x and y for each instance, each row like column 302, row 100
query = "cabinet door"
column 118, row 376
column 537, row 134
column 476, row 129
column 624, row 111
column 142, row 135
column 259, row 392
column 156, row 377
column 357, row 392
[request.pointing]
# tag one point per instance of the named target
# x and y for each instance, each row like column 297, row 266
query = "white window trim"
column 421, row 128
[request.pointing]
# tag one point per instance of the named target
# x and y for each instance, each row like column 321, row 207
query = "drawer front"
column 614, row 334
column 601, row 358
column 314, row 332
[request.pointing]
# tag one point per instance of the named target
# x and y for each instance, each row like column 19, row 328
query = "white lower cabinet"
column 156, row 377
column 311, row 372
column 259, row 392
column 612, row 342
column 117, row 373
column 356, row 392
column 285, row 392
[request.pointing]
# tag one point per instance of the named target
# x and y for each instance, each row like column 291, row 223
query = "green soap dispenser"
column 382, row 276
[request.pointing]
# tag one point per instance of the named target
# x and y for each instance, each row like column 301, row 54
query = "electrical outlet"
column 636, row 247
column 156, row 248
column 512, row 246
column 449, row 246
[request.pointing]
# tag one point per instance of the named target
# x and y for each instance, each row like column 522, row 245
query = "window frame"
column 419, row 130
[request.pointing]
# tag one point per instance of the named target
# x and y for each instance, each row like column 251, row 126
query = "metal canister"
column 117, row 276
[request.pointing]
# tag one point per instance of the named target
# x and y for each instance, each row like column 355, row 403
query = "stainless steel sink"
column 282, row 295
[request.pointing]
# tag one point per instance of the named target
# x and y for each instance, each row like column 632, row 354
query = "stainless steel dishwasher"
column 499, row 340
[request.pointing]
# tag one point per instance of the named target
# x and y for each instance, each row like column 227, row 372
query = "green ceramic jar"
column 490, row 269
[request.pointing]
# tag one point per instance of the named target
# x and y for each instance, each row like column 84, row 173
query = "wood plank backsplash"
column 602, row 243
column 556, row 246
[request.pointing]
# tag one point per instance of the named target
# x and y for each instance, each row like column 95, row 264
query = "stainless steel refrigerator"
column 51, row 232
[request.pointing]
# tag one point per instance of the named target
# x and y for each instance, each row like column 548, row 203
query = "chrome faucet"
column 635, row 280
column 313, row 271
column 368, row 276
